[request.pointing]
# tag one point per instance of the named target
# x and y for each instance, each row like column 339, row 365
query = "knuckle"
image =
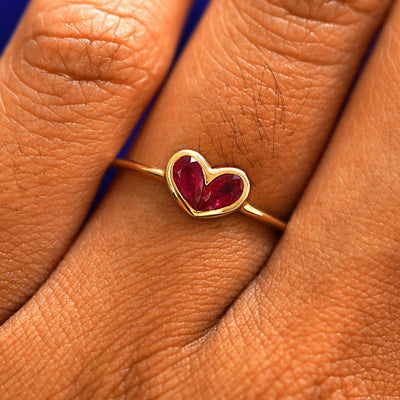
column 267, row 82
column 258, row 104
column 307, row 31
column 101, row 42
column 335, row 11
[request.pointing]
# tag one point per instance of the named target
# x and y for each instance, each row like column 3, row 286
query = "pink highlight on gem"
column 221, row 192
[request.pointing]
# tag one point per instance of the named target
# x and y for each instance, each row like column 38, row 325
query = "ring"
column 203, row 191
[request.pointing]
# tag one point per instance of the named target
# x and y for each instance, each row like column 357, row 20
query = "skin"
column 147, row 303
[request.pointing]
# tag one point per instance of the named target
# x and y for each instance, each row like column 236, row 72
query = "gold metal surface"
column 137, row 167
column 261, row 216
column 209, row 174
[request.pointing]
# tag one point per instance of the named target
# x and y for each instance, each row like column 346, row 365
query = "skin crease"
column 149, row 303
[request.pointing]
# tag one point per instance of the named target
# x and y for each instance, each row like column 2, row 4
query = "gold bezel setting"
column 209, row 175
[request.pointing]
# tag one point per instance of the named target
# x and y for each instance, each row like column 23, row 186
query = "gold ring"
column 202, row 191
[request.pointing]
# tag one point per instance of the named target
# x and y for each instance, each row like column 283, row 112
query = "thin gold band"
column 137, row 167
column 246, row 208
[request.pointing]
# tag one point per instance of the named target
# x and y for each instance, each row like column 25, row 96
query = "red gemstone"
column 223, row 191
column 189, row 179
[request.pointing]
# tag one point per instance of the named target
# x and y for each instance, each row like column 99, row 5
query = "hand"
column 148, row 303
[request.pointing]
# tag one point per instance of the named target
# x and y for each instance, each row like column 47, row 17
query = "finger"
column 208, row 105
column 73, row 82
column 328, row 300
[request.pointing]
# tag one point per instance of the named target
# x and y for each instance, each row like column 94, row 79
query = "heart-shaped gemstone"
column 222, row 191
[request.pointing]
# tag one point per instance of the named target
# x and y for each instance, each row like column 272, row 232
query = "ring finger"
column 259, row 88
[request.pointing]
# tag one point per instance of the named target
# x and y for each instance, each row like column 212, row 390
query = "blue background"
column 11, row 11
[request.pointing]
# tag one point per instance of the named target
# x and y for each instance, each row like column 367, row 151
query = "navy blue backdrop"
column 10, row 12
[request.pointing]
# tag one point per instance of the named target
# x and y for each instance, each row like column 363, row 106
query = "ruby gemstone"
column 221, row 192
column 189, row 179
